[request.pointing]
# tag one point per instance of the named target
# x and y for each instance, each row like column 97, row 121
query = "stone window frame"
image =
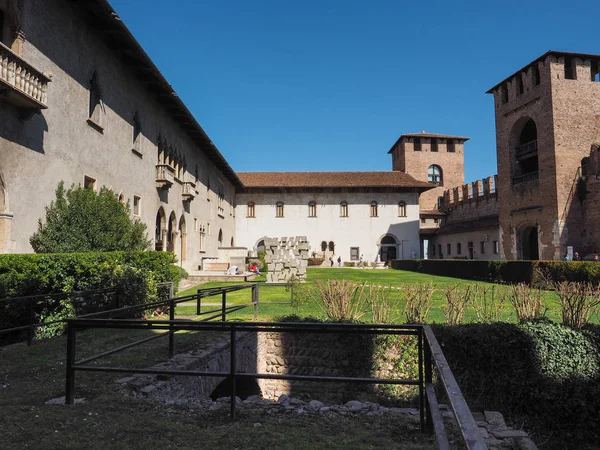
column 279, row 209
column 374, row 209
column 344, row 209
column 496, row 247
column 482, row 247
column 401, row 208
column 89, row 182
column 459, row 248
column 418, row 144
column 96, row 109
column 435, row 175
column 202, row 238
column 251, row 210
column 448, row 249
column 312, row 209
column 354, row 255
column 137, row 205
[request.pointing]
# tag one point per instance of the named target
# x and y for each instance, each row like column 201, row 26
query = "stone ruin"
column 286, row 258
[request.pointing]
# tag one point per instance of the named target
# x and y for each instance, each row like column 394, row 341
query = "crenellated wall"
column 471, row 201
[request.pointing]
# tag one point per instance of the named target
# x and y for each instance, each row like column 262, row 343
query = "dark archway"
column 528, row 243
column 388, row 248
column 244, row 388
column 159, row 233
column 172, row 232
column 523, row 144
column 332, row 246
column 323, row 246
column 220, row 238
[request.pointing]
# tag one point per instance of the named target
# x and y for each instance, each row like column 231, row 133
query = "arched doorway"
column 160, row 230
column 528, row 243
column 387, row 248
column 323, row 246
column 172, row 232
column 183, row 239
column 220, row 238
column 260, row 245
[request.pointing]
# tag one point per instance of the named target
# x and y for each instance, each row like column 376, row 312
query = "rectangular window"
column 436, row 220
column 496, row 248
column 202, row 238
column 520, row 84
column 137, row 205
column 279, row 209
column 450, row 146
column 208, row 229
column 343, row 209
column 418, row 145
column 440, row 250
column 433, row 250
column 504, row 93
column 458, row 248
column 195, row 224
column 221, row 200
column 312, row 209
column 482, row 248
column 373, row 209
column 448, row 249
column 89, row 183
column 401, row 209
column 354, row 252
column 250, row 210
column 423, row 220
column 434, row 145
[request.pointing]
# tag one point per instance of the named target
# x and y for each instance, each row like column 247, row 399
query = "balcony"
column 526, row 150
column 21, row 84
column 165, row 176
column 189, row 191
column 527, row 178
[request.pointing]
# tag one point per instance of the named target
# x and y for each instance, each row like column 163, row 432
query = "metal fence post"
column 70, row 381
column 30, row 314
column 232, row 372
column 171, row 328
column 223, row 306
column 255, row 300
column 421, row 381
column 428, row 380
column 198, row 300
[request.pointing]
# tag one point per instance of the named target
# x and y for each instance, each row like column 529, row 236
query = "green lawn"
column 395, row 278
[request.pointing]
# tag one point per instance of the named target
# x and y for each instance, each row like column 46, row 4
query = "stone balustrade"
column 165, row 176
column 188, row 191
column 25, row 86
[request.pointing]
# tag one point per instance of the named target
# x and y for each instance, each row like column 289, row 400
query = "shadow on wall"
column 542, row 374
column 401, row 241
column 28, row 134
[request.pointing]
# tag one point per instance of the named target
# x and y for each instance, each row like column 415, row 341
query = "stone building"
column 346, row 214
column 80, row 101
column 546, row 125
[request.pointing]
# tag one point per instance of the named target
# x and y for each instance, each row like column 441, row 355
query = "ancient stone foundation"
column 286, row 258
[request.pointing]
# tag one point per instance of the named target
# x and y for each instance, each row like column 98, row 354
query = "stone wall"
column 286, row 258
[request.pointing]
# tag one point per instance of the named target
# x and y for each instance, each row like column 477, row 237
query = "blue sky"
column 330, row 85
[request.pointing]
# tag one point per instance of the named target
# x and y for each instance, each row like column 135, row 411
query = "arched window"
column 220, row 238
column 312, row 209
column 434, row 175
column 250, row 211
column 331, row 246
column 344, row 209
column 388, row 240
column 440, row 202
column 401, row 209
column 524, row 139
column 323, row 246
column 279, row 209
column 373, row 209
column 232, row 242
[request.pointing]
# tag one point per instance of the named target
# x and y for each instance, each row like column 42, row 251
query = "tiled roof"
column 330, row 179
column 423, row 134
column 469, row 225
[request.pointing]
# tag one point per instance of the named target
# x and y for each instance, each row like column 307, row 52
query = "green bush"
column 541, row 374
column 132, row 275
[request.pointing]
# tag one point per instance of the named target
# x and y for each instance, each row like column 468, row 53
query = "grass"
column 395, row 278
column 109, row 418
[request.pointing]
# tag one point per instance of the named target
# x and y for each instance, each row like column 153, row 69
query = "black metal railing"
column 430, row 356
column 34, row 303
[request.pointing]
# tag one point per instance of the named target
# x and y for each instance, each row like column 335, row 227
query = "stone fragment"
column 495, row 419
column 315, row 405
column 505, row 434
column 354, row 405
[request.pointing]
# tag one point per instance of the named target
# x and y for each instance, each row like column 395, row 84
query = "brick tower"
column 437, row 158
column 547, row 119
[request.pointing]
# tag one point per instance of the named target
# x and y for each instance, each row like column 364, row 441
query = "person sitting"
column 254, row 269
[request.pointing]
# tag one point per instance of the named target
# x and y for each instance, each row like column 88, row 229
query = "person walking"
column 361, row 262
column 339, row 261
column 331, row 260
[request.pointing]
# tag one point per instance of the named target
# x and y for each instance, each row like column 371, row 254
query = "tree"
column 81, row 220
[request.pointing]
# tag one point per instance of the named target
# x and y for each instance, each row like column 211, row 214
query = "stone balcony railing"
column 526, row 150
column 20, row 83
column 189, row 191
column 165, row 176
column 527, row 178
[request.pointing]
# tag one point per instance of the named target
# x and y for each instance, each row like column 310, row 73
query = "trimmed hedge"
column 132, row 275
column 542, row 373
column 531, row 272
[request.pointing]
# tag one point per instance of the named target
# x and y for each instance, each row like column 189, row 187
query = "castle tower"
column 436, row 158
column 547, row 118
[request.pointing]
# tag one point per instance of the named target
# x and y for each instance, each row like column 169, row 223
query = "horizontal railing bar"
column 118, row 349
column 466, row 422
column 436, row 417
column 245, row 375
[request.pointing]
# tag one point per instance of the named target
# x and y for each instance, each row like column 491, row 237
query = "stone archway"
column 388, row 248
column 528, row 247
column 172, row 233
column 182, row 239
column 160, row 234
